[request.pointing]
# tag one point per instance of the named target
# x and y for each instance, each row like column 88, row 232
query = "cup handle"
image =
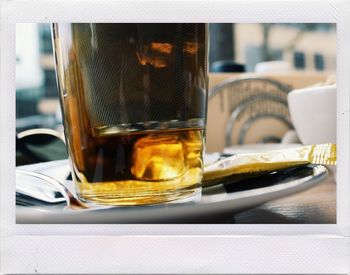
column 290, row 137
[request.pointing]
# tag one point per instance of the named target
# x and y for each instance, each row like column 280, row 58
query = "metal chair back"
column 251, row 100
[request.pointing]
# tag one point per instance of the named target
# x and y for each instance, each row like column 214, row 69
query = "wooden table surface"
column 316, row 205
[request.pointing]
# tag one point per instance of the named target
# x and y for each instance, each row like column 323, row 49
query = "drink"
column 143, row 168
column 134, row 103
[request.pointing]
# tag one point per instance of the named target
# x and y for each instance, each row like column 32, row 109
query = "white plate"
column 216, row 205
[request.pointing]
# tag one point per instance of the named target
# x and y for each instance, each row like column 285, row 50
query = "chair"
column 247, row 102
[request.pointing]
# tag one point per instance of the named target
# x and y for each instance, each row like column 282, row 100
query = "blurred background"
column 234, row 48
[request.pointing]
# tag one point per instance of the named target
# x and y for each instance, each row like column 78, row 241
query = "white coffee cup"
column 313, row 112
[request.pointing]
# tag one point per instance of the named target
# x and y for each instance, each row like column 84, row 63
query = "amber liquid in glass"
column 149, row 167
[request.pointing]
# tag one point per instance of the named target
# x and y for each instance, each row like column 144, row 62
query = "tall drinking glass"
column 133, row 99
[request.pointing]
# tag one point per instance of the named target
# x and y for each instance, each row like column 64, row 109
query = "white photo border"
column 164, row 249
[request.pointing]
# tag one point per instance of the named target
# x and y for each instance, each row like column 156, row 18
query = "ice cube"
column 193, row 145
column 158, row 157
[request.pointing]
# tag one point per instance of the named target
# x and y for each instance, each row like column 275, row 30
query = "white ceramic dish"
column 218, row 204
column 313, row 112
column 273, row 67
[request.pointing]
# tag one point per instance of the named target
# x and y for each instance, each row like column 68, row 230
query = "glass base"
column 185, row 195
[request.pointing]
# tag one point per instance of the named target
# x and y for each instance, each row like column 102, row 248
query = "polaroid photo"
column 175, row 137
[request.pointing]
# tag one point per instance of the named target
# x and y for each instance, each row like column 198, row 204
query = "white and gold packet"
column 269, row 161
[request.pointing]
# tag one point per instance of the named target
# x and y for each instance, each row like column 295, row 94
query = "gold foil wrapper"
column 241, row 166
